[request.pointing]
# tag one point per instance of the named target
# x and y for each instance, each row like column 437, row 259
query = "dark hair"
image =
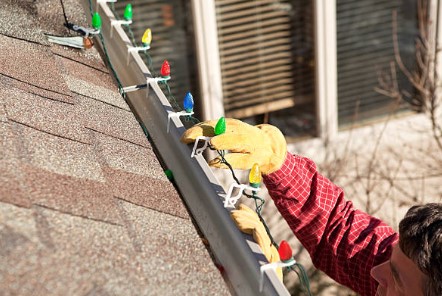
column 420, row 238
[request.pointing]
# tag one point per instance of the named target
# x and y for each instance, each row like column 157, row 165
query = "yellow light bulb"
column 255, row 176
column 147, row 37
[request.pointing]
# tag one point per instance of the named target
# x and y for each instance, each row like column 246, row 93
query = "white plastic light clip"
column 176, row 114
column 230, row 200
column 118, row 23
column 136, row 49
column 149, row 80
column 273, row 266
column 104, row 2
column 196, row 150
column 83, row 30
column 133, row 88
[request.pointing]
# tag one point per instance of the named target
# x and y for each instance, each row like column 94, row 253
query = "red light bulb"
column 165, row 69
column 285, row 252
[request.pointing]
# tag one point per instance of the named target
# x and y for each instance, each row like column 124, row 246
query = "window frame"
column 326, row 80
column 206, row 38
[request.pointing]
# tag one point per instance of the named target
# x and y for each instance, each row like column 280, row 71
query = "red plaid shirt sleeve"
column 342, row 241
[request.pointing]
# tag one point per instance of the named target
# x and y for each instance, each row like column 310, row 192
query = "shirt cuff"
column 287, row 168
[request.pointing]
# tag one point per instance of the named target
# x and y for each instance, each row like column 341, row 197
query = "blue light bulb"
column 188, row 102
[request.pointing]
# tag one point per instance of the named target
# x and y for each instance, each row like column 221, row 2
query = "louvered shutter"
column 365, row 48
column 169, row 23
column 266, row 50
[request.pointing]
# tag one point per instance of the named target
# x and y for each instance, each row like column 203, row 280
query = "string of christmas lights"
column 284, row 249
column 96, row 24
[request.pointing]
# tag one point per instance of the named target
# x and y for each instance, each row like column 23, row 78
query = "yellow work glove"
column 248, row 222
column 263, row 144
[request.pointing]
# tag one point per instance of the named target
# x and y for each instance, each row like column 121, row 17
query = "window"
column 172, row 40
column 364, row 49
column 267, row 66
column 308, row 69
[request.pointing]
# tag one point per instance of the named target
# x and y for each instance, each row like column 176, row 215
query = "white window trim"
column 437, row 8
column 326, row 71
column 209, row 66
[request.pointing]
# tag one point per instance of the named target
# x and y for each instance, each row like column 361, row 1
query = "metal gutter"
column 237, row 253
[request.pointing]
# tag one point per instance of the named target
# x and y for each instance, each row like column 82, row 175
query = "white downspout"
column 326, row 68
column 210, row 81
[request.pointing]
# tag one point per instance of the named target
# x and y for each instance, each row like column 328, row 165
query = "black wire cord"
column 67, row 24
column 251, row 196
column 64, row 12
column 71, row 26
column 297, row 268
column 302, row 273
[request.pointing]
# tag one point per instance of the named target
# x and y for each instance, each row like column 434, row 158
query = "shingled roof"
column 85, row 207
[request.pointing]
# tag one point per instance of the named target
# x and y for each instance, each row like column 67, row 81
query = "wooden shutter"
column 365, row 48
column 266, row 50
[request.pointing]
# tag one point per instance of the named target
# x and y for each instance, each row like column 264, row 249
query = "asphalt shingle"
column 90, row 75
column 156, row 194
column 94, row 92
column 74, row 196
column 88, row 58
column 3, row 117
column 111, row 121
column 139, row 260
column 57, row 154
column 85, row 207
column 53, row 117
column 127, row 156
column 11, row 177
column 32, row 68
column 17, row 20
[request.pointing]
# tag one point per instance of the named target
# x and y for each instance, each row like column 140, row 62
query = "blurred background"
column 352, row 84
column 265, row 56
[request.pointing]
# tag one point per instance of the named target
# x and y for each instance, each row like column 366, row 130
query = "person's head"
column 415, row 266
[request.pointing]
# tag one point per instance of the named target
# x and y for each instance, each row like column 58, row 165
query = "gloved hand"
column 248, row 222
column 263, row 144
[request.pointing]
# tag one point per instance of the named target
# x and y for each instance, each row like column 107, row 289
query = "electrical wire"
column 301, row 273
column 259, row 202
column 64, row 13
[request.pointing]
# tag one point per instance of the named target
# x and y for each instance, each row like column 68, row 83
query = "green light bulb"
column 220, row 127
column 169, row 174
column 128, row 12
column 96, row 21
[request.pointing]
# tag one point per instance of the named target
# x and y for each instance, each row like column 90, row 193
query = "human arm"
column 342, row 241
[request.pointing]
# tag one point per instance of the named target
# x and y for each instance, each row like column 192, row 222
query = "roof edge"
column 237, row 253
